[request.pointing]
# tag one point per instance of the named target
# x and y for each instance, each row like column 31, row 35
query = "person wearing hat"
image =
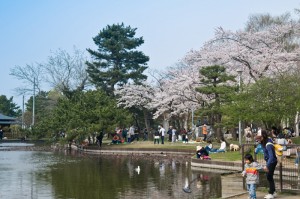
column 201, row 151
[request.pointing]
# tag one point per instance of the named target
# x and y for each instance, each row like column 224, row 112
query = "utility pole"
column 23, row 113
column 240, row 123
column 33, row 102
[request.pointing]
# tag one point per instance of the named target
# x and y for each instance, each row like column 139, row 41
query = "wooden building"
column 7, row 121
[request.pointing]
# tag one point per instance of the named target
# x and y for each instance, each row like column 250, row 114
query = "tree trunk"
column 166, row 121
column 233, row 133
column 146, row 118
column 185, row 122
column 219, row 133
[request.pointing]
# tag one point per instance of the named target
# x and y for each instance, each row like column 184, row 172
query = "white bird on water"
column 138, row 169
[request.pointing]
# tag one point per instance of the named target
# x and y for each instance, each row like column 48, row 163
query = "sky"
column 31, row 29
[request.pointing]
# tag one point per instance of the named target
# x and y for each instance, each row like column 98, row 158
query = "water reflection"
column 71, row 175
column 7, row 145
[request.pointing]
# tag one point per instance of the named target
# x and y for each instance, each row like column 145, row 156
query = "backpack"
column 277, row 147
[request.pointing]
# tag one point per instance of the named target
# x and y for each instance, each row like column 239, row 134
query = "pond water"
column 32, row 174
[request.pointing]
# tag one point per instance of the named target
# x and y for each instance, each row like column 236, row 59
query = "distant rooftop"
column 4, row 117
column 6, row 120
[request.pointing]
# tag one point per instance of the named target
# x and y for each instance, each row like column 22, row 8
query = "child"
column 251, row 174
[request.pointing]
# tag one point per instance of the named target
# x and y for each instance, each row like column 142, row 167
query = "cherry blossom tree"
column 271, row 51
column 176, row 95
column 265, row 51
column 173, row 95
column 138, row 96
column 257, row 53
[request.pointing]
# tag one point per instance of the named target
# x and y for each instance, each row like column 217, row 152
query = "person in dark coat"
column 201, row 151
column 100, row 138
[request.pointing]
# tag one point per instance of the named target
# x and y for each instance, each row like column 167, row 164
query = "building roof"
column 6, row 118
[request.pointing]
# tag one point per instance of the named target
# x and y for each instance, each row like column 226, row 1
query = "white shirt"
column 173, row 131
column 131, row 130
column 162, row 131
column 223, row 145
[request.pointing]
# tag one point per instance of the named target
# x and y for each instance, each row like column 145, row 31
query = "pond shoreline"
column 181, row 156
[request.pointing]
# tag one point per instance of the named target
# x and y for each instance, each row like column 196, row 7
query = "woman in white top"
column 222, row 147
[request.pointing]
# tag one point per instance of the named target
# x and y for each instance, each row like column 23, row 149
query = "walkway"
column 260, row 195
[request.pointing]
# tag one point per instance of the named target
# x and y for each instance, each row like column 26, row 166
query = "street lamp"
column 192, row 117
column 240, row 71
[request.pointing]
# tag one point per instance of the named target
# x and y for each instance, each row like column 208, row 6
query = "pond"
column 34, row 174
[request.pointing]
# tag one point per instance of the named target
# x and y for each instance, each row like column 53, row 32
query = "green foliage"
column 44, row 103
column 8, row 107
column 268, row 101
column 116, row 61
column 214, row 80
column 84, row 114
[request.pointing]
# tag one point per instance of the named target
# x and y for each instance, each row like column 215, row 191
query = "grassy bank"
column 228, row 156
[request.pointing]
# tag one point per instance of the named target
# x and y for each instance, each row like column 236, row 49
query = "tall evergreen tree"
column 214, row 80
column 116, row 61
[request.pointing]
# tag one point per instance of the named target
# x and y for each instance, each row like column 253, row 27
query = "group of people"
column 130, row 134
column 159, row 134
column 126, row 135
column 173, row 135
column 201, row 152
column 252, row 168
column 181, row 134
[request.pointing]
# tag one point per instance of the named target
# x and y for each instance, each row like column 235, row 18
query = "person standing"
column 204, row 131
column 162, row 134
column 145, row 134
column 128, row 136
column 100, row 138
column 156, row 137
column 170, row 133
column 251, row 172
column 124, row 134
column 174, row 134
column 271, row 161
column 131, row 133
column 137, row 134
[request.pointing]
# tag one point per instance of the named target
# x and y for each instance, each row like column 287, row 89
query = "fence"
column 287, row 172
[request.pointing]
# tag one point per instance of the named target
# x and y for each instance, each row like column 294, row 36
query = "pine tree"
column 8, row 107
column 116, row 62
column 215, row 86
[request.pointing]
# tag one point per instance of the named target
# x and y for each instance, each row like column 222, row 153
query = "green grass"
column 296, row 140
column 227, row 156
column 151, row 145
